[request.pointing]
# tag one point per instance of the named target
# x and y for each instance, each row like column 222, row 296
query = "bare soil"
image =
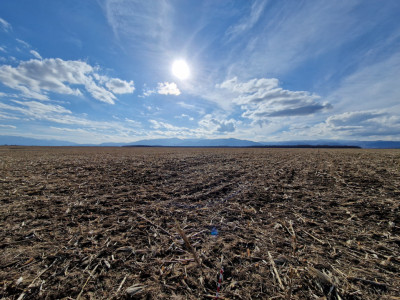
column 111, row 223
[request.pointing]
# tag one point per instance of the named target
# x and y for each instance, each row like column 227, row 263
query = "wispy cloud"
column 35, row 109
column 73, row 130
column 133, row 122
column 147, row 92
column 247, row 22
column 294, row 34
column 187, row 106
column 146, row 21
column 370, row 85
column 184, row 116
column 4, row 25
column 195, row 108
column 36, row 112
column 25, row 44
column 36, row 54
column 8, row 126
column 163, row 125
column 208, row 125
column 7, row 115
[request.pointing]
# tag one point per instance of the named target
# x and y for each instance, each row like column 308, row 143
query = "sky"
column 102, row 71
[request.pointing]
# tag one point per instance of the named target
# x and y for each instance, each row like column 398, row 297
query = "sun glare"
column 180, row 69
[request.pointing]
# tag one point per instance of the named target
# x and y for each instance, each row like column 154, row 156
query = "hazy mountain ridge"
column 25, row 141
column 175, row 142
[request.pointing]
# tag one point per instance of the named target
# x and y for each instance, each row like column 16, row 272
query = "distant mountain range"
column 24, row 141
column 175, row 142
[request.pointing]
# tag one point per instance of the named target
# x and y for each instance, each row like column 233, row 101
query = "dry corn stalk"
column 187, row 243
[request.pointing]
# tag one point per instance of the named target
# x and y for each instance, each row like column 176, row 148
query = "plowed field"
column 104, row 223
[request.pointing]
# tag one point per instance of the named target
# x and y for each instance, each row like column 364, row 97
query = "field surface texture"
column 163, row 223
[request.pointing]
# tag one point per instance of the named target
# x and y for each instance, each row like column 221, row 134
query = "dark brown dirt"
column 101, row 223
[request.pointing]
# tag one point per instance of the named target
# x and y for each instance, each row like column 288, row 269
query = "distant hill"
column 24, row 141
column 231, row 142
column 309, row 146
column 380, row 144
column 362, row 144
column 174, row 142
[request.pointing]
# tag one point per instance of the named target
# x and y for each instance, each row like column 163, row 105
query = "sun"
column 180, row 69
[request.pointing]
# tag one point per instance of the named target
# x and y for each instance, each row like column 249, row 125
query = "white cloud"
column 374, row 88
column 163, row 125
column 2, row 49
column 252, row 86
column 365, row 123
column 35, row 54
column 99, row 92
column 118, row 86
column 64, row 129
column 36, row 78
column 50, row 120
column 167, row 88
column 166, row 129
column 35, row 109
column 360, row 125
column 133, row 122
column 354, row 118
column 262, row 99
column 5, row 25
column 7, row 116
column 182, row 116
column 102, row 79
column 195, row 108
column 147, row 93
column 163, row 88
column 213, row 124
column 8, row 126
column 25, row 44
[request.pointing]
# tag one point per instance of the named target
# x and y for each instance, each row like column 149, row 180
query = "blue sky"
column 101, row 71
